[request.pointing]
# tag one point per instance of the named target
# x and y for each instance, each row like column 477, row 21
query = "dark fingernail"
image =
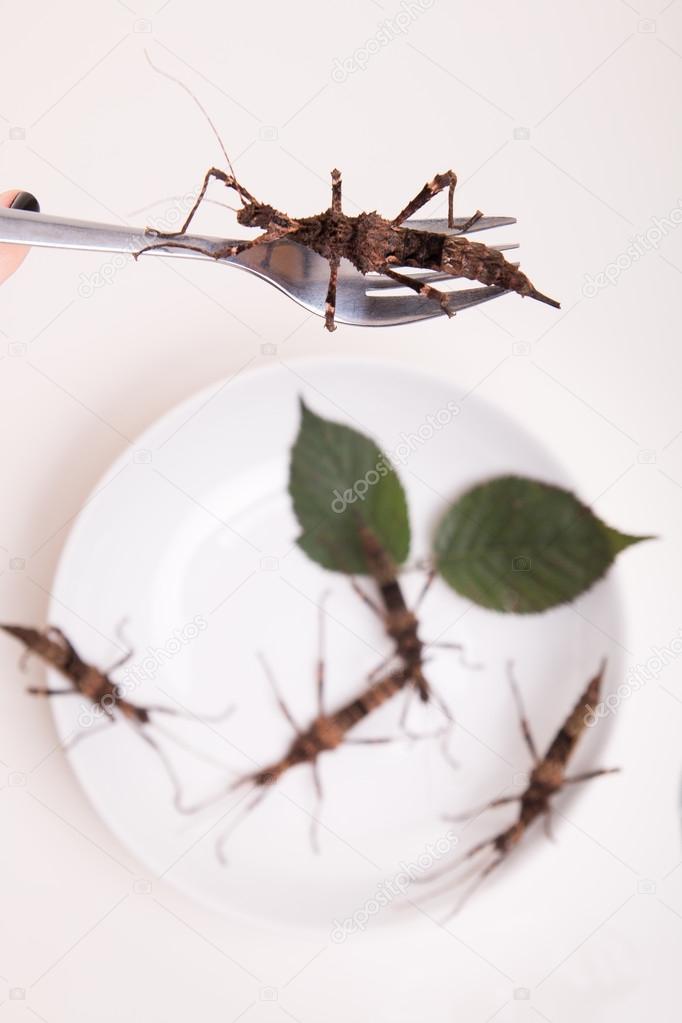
column 26, row 201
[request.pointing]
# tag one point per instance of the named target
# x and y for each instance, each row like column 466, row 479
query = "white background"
column 568, row 118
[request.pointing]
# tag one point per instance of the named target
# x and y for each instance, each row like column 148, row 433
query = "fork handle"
column 21, row 227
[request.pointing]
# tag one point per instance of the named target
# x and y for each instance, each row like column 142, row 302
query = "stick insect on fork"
column 370, row 242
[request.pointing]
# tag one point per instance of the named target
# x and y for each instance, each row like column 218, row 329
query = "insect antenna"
column 206, row 114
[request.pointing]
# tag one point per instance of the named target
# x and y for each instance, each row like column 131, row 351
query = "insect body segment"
column 401, row 623
column 328, row 731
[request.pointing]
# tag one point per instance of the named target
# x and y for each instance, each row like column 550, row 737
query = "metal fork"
column 369, row 301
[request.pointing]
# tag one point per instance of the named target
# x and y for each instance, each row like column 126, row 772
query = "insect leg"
column 487, row 843
column 588, row 775
column 219, row 175
column 440, row 733
column 523, row 720
column 478, row 881
column 425, row 290
column 442, row 706
column 273, row 234
column 502, row 801
column 278, row 696
column 120, row 662
column 410, row 690
column 319, row 795
column 128, row 648
column 409, row 694
column 375, row 672
column 471, row 221
column 84, row 733
column 366, row 598
column 428, row 582
column 548, row 822
column 443, row 733
column 372, row 740
column 438, row 645
column 445, row 748
column 431, row 188
column 190, row 715
column 165, row 762
column 181, row 744
column 336, row 191
column 44, row 691
column 246, row 810
column 330, row 302
column 320, row 667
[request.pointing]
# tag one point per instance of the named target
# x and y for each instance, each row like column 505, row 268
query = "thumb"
column 11, row 256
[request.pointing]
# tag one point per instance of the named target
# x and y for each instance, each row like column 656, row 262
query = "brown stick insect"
column 97, row 688
column 328, row 731
column 369, row 241
column 547, row 779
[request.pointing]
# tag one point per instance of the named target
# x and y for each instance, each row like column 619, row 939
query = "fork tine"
column 384, row 286
column 412, row 308
column 457, row 300
column 441, row 225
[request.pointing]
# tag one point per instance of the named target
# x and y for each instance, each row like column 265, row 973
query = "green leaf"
column 518, row 545
column 339, row 480
column 621, row 541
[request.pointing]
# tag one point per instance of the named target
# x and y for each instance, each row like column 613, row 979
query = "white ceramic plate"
column 194, row 525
